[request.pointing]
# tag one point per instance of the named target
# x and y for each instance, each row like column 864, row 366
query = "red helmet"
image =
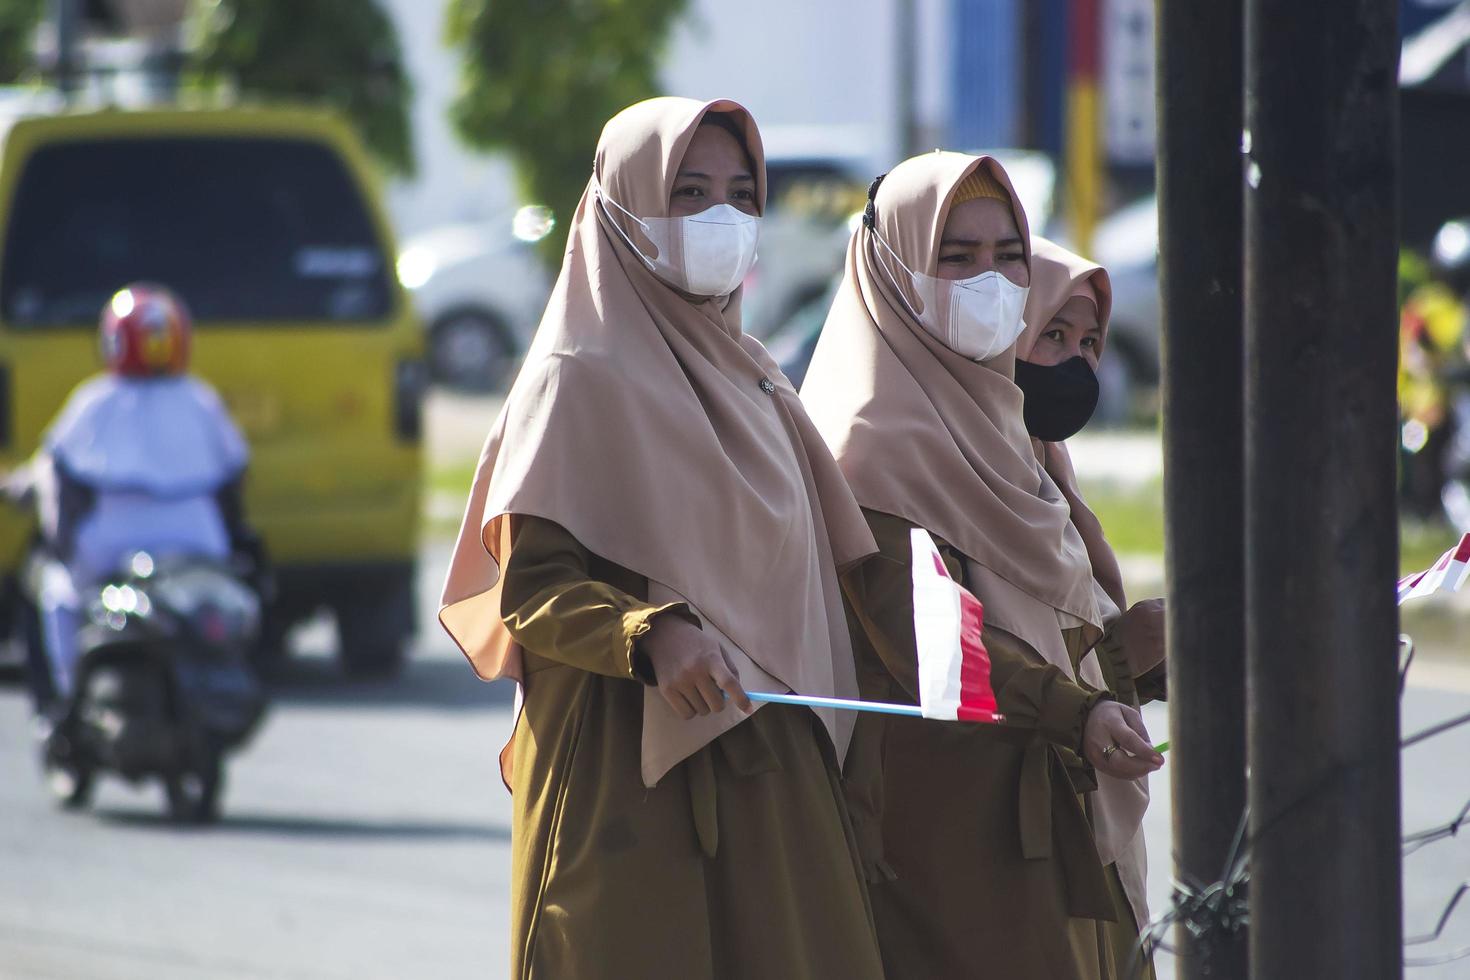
column 145, row 331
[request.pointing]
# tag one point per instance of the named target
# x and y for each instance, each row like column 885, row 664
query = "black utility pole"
column 1200, row 55
column 1321, row 524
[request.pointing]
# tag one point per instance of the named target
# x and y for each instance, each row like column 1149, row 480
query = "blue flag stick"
column 843, row 703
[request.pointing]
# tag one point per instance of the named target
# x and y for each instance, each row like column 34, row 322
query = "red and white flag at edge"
column 954, row 666
column 1446, row 575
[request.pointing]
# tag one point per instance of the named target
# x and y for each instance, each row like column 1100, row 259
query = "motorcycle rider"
column 143, row 457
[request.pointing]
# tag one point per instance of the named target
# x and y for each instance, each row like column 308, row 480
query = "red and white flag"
column 1446, row 575
column 954, row 666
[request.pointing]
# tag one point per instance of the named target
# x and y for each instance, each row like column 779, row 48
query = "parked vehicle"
column 163, row 687
column 479, row 289
column 1126, row 243
column 276, row 235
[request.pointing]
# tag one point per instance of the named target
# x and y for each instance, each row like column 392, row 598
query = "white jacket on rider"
column 131, row 464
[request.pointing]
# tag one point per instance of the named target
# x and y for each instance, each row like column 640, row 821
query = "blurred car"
column 1126, row 243
column 793, row 345
column 268, row 223
column 480, row 289
column 814, row 187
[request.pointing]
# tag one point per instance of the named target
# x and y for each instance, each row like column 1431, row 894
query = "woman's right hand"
column 694, row 675
column 1116, row 742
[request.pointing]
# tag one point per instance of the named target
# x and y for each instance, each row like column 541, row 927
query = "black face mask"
column 1059, row 399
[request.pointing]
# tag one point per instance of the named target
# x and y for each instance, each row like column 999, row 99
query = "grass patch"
column 453, row 479
column 1133, row 518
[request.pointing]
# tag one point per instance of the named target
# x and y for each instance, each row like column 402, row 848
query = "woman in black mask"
column 1056, row 369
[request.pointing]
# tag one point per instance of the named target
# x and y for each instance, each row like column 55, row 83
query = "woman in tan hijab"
column 976, row 839
column 1067, row 312
column 655, row 526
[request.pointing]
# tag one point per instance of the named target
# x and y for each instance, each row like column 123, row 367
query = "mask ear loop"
column 870, row 222
column 606, row 200
column 893, row 279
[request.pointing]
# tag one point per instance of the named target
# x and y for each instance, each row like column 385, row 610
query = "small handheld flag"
column 1445, row 575
column 954, row 666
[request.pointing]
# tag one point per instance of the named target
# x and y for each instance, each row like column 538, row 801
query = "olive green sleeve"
column 1029, row 692
column 1152, row 685
column 554, row 608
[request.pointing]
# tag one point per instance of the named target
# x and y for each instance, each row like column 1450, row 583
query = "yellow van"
column 267, row 222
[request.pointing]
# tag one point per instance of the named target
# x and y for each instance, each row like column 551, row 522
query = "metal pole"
column 1321, row 524
column 67, row 16
column 1200, row 50
column 905, row 41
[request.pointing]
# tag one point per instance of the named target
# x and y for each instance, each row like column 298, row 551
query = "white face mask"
column 704, row 254
column 978, row 318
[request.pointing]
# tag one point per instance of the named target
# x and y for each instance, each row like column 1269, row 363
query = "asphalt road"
column 366, row 835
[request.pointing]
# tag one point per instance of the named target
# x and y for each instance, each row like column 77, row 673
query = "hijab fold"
column 667, row 442
column 935, row 438
column 1057, row 275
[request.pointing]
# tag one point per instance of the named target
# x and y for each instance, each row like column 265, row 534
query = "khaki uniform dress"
column 740, row 863
column 975, row 838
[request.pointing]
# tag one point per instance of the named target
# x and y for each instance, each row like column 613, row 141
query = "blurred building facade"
column 870, row 79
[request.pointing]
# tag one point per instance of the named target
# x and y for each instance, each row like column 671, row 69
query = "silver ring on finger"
column 1108, row 752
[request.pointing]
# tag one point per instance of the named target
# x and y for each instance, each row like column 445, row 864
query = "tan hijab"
column 939, row 440
column 933, row 437
column 641, row 423
column 1058, row 275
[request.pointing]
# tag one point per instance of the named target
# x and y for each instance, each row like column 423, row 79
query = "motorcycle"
column 163, row 684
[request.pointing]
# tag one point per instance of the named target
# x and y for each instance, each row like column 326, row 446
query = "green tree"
column 539, row 78
column 18, row 20
column 341, row 53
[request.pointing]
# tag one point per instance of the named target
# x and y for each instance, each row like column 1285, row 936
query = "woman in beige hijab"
column 976, row 839
column 654, row 527
column 1067, row 313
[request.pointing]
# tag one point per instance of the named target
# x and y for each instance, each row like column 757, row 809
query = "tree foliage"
column 539, row 78
column 340, row 53
column 18, row 20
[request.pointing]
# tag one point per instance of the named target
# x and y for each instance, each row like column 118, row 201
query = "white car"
column 1126, row 243
column 480, row 290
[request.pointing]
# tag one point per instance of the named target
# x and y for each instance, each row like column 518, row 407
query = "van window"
column 242, row 229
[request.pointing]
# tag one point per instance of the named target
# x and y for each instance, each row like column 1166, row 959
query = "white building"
column 798, row 66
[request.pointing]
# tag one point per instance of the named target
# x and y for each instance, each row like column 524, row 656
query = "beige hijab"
column 928, row 435
column 641, row 422
column 933, row 437
column 1057, row 276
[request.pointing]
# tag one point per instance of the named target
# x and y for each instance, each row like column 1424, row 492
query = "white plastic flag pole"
column 954, row 667
column 845, row 704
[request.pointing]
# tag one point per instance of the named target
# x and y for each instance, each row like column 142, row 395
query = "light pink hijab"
column 933, row 437
column 1057, row 276
column 667, row 442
